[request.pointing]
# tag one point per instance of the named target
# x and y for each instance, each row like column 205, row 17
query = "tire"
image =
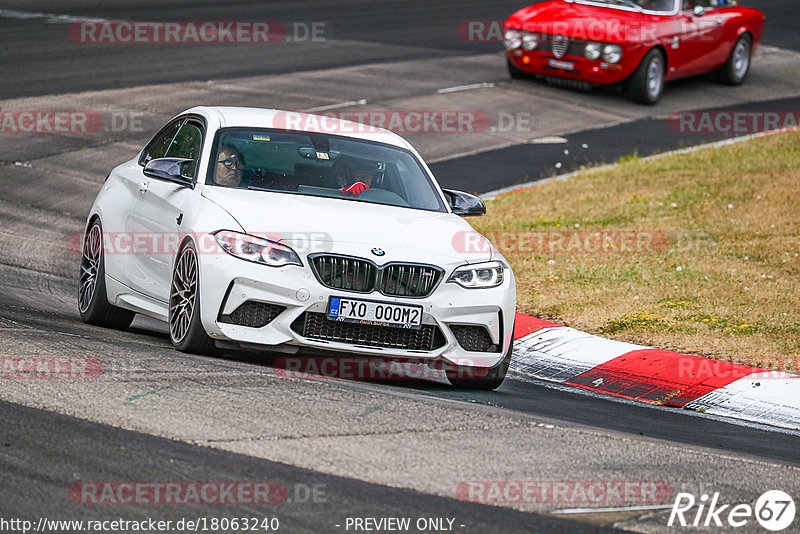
column 515, row 73
column 646, row 84
column 464, row 377
column 737, row 67
column 93, row 304
column 186, row 331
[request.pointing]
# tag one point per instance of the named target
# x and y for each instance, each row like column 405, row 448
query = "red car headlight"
column 592, row 50
column 530, row 41
column 612, row 53
column 512, row 39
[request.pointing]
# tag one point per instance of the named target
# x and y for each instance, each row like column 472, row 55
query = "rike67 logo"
column 774, row 510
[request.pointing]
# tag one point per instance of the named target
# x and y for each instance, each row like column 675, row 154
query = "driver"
column 354, row 176
column 230, row 167
column 657, row 5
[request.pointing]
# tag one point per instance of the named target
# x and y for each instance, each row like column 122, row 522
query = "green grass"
column 723, row 277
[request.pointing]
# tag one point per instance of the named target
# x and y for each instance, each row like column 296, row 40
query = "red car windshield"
column 658, row 6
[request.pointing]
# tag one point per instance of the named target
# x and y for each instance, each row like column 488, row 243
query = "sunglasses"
column 231, row 162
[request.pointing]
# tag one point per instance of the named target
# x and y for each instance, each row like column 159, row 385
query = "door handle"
column 143, row 187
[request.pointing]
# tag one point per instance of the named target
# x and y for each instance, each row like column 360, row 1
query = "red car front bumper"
column 574, row 68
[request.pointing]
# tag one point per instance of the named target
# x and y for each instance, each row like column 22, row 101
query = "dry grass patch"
column 696, row 253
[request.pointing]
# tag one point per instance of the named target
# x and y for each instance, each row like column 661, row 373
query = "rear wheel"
column 93, row 302
column 465, row 377
column 646, row 84
column 185, row 328
column 737, row 68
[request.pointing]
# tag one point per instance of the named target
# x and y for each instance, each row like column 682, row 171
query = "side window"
column 691, row 4
column 157, row 148
column 187, row 144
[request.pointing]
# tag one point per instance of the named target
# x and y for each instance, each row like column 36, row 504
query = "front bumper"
column 227, row 282
column 595, row 72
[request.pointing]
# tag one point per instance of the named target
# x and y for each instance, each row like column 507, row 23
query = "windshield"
column 321, row 165
column 659, row 6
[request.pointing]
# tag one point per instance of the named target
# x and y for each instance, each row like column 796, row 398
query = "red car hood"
column 580, row 21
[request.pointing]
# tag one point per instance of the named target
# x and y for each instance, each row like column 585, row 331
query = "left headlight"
column 530, row 41
column 256, row 249
column 479, row 275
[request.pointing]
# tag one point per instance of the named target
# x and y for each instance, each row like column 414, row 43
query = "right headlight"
column 512, row 39
column 479, row 275
column 592, row 50
column 612, row 53
column 255, row 249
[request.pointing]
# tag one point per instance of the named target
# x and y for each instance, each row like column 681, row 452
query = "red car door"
column 724, row 18
column 696, row 40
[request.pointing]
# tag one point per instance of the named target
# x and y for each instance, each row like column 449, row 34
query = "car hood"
column 587, row 22
column 316, row 224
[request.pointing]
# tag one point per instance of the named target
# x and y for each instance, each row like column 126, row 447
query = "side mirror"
column 465, row 204
column 170, row 169
column 699, row 11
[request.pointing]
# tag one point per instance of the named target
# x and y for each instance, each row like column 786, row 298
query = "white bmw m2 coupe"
column 301, row 234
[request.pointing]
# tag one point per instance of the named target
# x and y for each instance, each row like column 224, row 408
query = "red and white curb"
column 556, row 353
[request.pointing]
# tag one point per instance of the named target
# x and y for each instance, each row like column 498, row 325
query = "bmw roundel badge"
column 378, row 251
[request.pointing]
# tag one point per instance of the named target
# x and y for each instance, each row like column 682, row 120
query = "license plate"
column 565, row 65
column 374, row 313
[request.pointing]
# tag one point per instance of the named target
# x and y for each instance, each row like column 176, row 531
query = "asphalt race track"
column 43, row 61
column 386, row 449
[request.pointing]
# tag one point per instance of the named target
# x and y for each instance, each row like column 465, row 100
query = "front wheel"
column 515, row 73
column 93, row 304
column 481, row 379
column 737, row 68
column 185, row 328
column 646, row 84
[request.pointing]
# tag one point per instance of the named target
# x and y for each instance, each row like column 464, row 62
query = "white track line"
column 607, row 510
column 458, row 88
column 49, row 18
column 361, row 102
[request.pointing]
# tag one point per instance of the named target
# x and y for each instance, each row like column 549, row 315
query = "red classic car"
column 637, row 43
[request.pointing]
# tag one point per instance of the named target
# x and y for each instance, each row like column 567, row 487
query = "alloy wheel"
column 741, row 59
column 655, row 77
column 183, row 294
column 90, row 267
